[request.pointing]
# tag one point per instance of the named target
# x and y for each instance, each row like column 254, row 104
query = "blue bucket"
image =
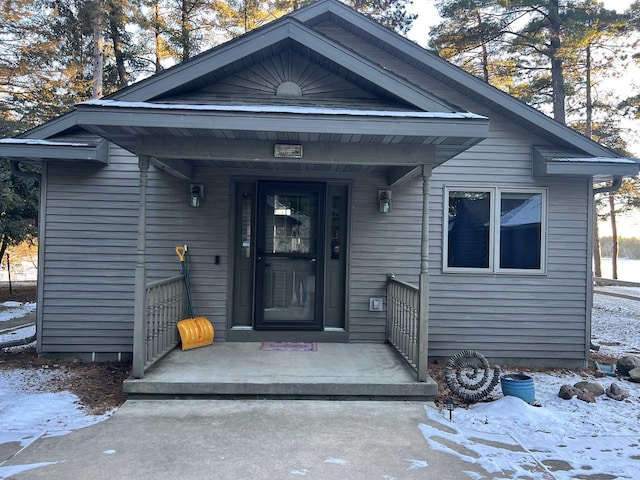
column 518, row 385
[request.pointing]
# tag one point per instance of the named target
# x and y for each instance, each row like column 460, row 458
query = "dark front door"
column 289, row 256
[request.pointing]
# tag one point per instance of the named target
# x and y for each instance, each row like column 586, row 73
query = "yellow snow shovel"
column 194, row 331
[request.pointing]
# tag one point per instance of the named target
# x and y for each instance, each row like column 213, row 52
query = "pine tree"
column 33, row 88
column 390, row 13
column 472, row 34
column 238, row 17
column 631, row 105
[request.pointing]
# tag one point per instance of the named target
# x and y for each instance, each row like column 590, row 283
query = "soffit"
column 211, row 127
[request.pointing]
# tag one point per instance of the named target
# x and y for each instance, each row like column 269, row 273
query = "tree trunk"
column 614, row 237
column 589, row 107
column 156, row 35
column 246, row 16
column 597, row 258
column 557, row 73
column 98, row 44
column 185, row 32
column 114, row 30
column 4, row 243
column 483, row 45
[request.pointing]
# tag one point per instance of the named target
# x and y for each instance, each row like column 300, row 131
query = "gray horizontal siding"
column 380, row 244
column 92, row 214
column 89, row 252
column 542, row 318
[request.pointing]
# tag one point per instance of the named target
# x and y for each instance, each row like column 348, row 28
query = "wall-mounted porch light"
column 197, row 194
column 384, row 200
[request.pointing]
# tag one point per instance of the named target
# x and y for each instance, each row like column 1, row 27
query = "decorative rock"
column 616, row 392
column 586, row 396
column 634, row 373
column 595, row 388
column 625, row 364
column 567, row 392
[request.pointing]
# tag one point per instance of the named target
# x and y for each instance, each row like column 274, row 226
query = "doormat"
column 289, row 346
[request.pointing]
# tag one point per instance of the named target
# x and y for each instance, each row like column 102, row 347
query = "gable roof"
column 297, row 29
column 199, row 69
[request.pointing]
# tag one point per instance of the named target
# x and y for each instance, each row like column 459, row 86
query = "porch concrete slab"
column 258, row 440
column 335, row 370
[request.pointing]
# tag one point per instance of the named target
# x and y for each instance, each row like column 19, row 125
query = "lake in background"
column 628, row 269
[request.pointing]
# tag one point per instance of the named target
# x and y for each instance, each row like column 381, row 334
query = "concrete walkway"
column 19, row 322
column 253, row 440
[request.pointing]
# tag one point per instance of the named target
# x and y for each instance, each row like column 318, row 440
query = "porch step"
column 242, row 370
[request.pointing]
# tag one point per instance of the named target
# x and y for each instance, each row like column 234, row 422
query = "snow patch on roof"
column 596, row 160
column 48, row 143
column 286, row 110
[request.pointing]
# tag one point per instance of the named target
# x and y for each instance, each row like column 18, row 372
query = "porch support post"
column 423, row 320
column 139, row 352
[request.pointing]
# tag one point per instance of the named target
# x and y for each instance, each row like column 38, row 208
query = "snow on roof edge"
column 48, row 143
column 596, row 160
column 285, row 109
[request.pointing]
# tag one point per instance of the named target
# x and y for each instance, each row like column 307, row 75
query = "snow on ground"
column 27, row 410
column 562, row 439
column 508, row 438
column 19, row 334
column 11, row 310
column 616, row 325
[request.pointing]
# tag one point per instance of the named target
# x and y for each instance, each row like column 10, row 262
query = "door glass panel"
column 244, row 256
column 334, row 282
column 288, row 265
column 289, row 290
column 336, row 227
column 245, row 225
column 293, row 223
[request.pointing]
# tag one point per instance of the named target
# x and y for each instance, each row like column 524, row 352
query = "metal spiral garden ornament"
column 462, row 376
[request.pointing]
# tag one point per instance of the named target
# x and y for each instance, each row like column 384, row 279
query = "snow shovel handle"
column 180, row 250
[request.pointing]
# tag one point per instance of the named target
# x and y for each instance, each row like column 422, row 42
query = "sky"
column 560, row 437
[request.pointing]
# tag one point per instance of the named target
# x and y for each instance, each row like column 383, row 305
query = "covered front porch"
column 393, row 370
column 244, row 370
column 392, row 147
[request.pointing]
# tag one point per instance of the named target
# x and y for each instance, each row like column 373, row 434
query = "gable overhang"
column 549, row 161
column 249, row 132
column 36, row 152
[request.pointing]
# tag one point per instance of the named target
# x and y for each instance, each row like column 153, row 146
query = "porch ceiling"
column 243, row 134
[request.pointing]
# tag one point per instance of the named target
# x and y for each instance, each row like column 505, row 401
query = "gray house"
column 334, row 182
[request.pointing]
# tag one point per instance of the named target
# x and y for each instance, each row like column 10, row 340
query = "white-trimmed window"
column 495, row 230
